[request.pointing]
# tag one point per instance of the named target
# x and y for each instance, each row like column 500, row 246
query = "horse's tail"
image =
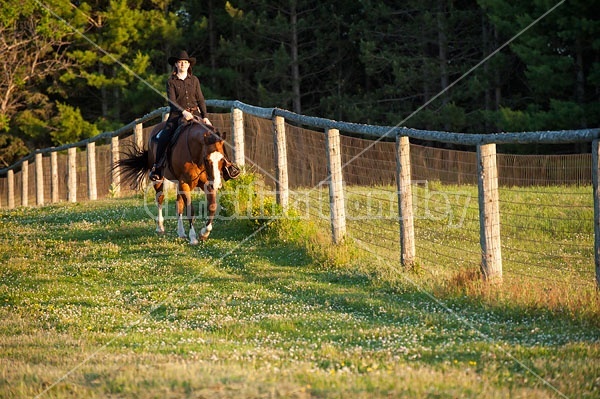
column 133, row 167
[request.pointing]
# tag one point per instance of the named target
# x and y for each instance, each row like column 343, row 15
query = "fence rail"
column 341, row 164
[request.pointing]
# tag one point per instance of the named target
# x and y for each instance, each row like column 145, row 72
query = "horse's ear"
column 223, row 135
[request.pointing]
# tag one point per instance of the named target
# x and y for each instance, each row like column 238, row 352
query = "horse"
column 196, row 159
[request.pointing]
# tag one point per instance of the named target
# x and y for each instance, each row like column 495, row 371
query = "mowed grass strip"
column 94, row 304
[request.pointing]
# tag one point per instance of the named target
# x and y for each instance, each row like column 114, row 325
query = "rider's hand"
column 187, row 115
column 205, row 120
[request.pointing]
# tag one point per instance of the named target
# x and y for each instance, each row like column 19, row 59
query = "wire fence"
column 546, row 201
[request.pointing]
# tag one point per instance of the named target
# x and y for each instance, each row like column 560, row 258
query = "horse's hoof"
column 205, row 232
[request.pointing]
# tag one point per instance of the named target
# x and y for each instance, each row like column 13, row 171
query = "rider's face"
column 182, row 65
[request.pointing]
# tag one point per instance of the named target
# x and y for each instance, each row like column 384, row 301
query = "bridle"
column 211, row 139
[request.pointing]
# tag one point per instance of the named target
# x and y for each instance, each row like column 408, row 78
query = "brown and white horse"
column 197, row 159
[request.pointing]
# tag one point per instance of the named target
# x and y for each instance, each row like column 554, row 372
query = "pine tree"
column 555, row 82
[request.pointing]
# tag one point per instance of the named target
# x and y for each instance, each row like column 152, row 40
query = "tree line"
column 71, row 69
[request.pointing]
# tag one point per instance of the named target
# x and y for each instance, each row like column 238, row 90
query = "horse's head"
column 214, row 159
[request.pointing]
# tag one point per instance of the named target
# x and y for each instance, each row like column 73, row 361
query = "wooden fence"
column 483, row 167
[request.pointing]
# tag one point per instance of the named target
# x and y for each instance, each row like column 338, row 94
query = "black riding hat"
column 183, row 55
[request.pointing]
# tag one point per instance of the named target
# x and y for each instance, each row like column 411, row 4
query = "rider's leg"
column 161, row 145
column 156, row 172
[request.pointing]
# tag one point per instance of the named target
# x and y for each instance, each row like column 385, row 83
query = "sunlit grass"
column 547, row 240
column 93, row 301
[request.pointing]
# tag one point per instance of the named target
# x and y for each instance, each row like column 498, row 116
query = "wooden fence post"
column 39, row 179
column 138, row 135
column 91, row 171
column 336, row 185
column 11, row 189
column 237, row 128
column 282, row 194
column 405, row 204
column 72, row 174
column 489, row 213
column 115, row 178
column 54, row 176
column 596, row 187
column 25, row 183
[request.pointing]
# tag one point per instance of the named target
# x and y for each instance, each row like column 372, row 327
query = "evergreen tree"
column 555, row 83
column 104, row 62
column 116, row 78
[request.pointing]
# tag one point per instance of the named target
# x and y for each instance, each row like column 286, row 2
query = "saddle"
column 174, row 137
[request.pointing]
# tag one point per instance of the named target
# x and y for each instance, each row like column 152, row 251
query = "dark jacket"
column 185, row 95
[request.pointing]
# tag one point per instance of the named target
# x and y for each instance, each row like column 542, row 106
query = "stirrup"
column 231, row 171
column 155, row 174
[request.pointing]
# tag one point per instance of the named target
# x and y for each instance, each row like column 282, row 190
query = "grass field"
column 94, row 304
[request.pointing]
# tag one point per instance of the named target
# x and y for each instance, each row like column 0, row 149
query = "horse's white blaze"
column 214, row 158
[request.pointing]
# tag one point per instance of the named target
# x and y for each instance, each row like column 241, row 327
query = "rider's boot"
column 156, row 171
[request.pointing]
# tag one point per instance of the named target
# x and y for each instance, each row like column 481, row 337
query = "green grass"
column 94, row 304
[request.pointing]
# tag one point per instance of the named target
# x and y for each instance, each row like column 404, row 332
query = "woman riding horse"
column 185, row 101
column 196, row 159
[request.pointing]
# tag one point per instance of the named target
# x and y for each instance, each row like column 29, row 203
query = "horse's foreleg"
column 180, row 228
column 187, row 199
column 190, row 215
column 211, row 200
column 160, row 197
